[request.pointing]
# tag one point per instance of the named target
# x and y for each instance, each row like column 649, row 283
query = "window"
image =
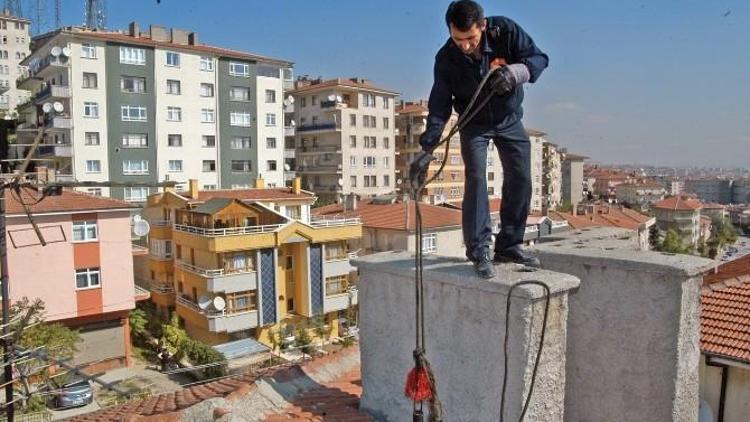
column 134, row 113
column 85, row 231
column 368, row 100
column 366, row 121
column 353, row 120
column 386, row 123
column 174, row 140
column 88, row 51
column 94, row 191
column 139, row 194
column 270, row 96
column 386, row 180
column 91, row 138
column 336, row 251
column 209, row 166
column 208, row 141
column 239, row 69
column 271, row 165
column 270, row 119
column 134, row 140
column 89, row 80
column 455, row 159
column 209, row 187
column 353, row 181
column 370, row 142
column 454, row 176
column 133, row 84
column 132, row 55
column 242, row 142
column 207, row 64
column 386, row 143
column 352, row 161
column 241, row 301
column 371, row 181
column 386, row 103
column 207, row 90
column 271, row 143
column 386, row 162
column 314, row 100
column 88, row 278
column 369, row 162
column 429, row 242
column 173, row 59
column 174, row 114
column 455, row 192
column 241, row 166
column 336, row 285
column 175, row 165
column 91, row 110
column 239, row 93
column 491, row 176
column 208, row 115
column 173, row 87
column 135, row 167
column 239, row 119
column 93, row 166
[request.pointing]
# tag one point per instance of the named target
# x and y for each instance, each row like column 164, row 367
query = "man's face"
column 469, row 40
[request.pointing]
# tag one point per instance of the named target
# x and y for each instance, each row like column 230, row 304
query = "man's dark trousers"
column 512, row 143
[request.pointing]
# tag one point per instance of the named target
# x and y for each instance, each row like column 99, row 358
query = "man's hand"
column 418, row 169
column 506, row 78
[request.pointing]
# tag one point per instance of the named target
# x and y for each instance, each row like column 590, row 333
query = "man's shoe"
column 518, row 255
column 484, row 268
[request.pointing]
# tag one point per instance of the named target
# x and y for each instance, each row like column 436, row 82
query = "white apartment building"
column 345, row 137
column 14, row 48
column 537, row 158
column 147, row 107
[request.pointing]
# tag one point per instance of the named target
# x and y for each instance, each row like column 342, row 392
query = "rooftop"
column 68, row 201
column 395, row 215
column 725, row 321
column 254, row 194
column 678, row 203
column 356, row 83
column 603, row 216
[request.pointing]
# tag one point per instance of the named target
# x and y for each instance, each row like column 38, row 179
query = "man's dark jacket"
column 457, row 76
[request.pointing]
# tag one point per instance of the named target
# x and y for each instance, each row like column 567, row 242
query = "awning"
column 240, row 348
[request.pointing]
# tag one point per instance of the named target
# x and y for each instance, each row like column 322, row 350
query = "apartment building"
column 156, row 105
column 641, row 195
column 537, row 139
column 741, row 191
column 84, row 274
column 572, row 178
column 710, row 189
column 14, row 48
column 449, row 186
column 345, row 137
column 238, row 264
column 551, row 176
column 682, row 215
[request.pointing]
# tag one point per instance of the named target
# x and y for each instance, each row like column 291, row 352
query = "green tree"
column 653, row 238
column 138, row 320
column 565, row 207
column 672, row 243
column 303, row 340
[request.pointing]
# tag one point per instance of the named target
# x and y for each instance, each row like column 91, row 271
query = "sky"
column 662, row 82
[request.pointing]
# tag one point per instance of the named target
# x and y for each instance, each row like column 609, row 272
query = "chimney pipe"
column 193, row 186
column 134, row 30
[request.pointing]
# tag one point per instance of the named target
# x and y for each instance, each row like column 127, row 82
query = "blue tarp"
column 240, row 348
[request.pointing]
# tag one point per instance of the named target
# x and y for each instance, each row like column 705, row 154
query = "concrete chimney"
column 259, row 182
column 193, row 186
column 350, row 202
column 179, row 36
column 159, row 33
column 297, row 185
column 193, row 38
column 134, row 30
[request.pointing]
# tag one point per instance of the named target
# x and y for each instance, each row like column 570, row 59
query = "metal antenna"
column 95, row 16
column 58, row 13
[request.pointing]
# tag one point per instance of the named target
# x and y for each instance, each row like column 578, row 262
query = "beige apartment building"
column 14, row 47
column 345, row 137
column 551, row 176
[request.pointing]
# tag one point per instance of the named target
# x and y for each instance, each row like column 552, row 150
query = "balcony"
column 328, row 188
column 320, row 149
column 53, row 92
column 227, row 231
column 289, row 131
column 227, row 239
column 335, row 105
column 222, row 281
column 334, row 222
column 60, row 150
column 60, row 122
column 319, row 127
column 222, row 321
column 341, row 301
column 290, row 153
column 155, row 287
column 321, row 168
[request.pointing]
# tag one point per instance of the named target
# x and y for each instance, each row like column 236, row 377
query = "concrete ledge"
column 465, row 328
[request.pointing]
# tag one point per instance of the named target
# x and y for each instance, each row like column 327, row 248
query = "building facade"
column 572, row 178
column 345, row 137
column 681, row 215
column 238, row 264
column 640, row 195
column 741, row 191
column 154, row 106
column 710, row 189
column 84, row 274
column 14, row 48
column 551, row 176
column 537, row 168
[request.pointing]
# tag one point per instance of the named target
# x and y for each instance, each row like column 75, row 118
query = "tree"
column 32, row 333
column 672, row 243
column 303, row 340
column 322, row 330
column 653, row 238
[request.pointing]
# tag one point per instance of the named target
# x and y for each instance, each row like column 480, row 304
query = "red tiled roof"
column 394, row 216
column 495, row 204
column 713, row 206
column 609, row 216
column 69, row 201
column 732, row 270
column 367, row 86
column 265, row 194
column 678, row 203
column 725, row 321
column 411, row 108
column 534, row 132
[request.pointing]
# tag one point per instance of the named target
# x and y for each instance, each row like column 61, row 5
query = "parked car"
column 73, row 393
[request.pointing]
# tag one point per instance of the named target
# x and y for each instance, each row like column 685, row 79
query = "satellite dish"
column 141, row 228
column 57, row 105
column 287, row 167
column 399, row 181
column 290, row 99
column 136, row 218
column 331, row 97
column 339, row 99
column 292, row 123
column 66, row 51
column 56, row 51
column 424, row 121
column 204, row 302
column 341, row 182
column 47, row 108
column 219, row 303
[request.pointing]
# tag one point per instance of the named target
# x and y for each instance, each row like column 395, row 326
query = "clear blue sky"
column 654, row 82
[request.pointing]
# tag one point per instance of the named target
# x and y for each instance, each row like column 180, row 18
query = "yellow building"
column 237, row 264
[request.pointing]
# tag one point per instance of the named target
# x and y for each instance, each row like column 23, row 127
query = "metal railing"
column 228, row 231
column 160, row 223
column 332, row 222
column 320, row 126
column 186, row 302
column 210, row 272
column 155, row 286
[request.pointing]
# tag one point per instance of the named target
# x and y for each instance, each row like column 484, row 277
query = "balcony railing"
column 228, row 231
column 210, row 272
column 53, row 91
column 320, row 149
column 186, row 302
column 320, row 126
column 335, row 168
column 160, row 223
column 155, row 286
column 333, row 222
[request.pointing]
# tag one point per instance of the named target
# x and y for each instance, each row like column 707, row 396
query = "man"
column 477, row 45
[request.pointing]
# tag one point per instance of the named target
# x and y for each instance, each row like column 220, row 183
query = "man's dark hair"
column 463, row 14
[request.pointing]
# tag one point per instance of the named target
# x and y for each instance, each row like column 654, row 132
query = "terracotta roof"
column 534, row 132
column 147, row 41
column 713, row 206
column 412, row 108
column 69, row 201
column 604, row 216
column 678, row 203
column 733, row 270
column 725, row 321
column 495, row 204
column 264, row 194
column 393, row 216
column 366, row 86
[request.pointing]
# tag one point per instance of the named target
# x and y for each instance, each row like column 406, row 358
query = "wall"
column 227, row 131
column 737, row 400
column 117, row 272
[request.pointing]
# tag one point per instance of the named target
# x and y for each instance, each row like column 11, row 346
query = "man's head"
column 465, row 20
